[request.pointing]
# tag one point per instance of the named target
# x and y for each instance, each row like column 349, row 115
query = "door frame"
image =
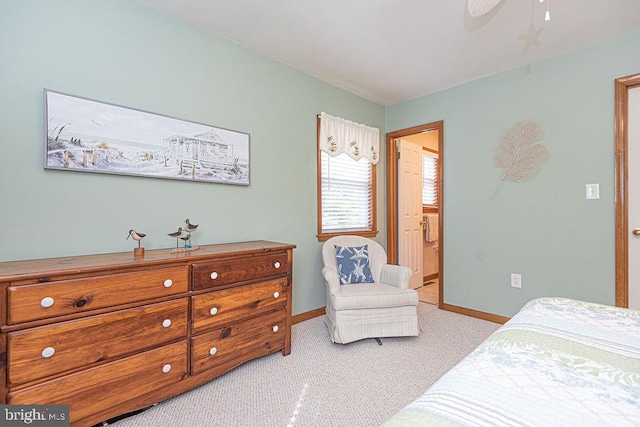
column 622, row 87
column 392, row 195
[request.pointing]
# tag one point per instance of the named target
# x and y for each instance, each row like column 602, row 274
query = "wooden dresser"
column 109, row 334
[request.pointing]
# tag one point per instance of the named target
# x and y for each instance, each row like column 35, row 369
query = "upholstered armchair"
column 382, row 306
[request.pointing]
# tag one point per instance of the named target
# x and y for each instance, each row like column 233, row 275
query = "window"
column 430, row 179
column 346, row 190
column 346, row 194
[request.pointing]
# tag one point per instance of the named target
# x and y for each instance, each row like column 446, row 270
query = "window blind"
column 429, row 180
column 347, row 199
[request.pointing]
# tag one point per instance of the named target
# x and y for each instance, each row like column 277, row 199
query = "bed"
column 557, row 362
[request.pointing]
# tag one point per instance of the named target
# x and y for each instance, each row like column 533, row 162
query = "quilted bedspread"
column 558, row 362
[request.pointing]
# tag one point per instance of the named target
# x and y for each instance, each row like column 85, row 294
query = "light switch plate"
column 516, row 280
column 593, row 191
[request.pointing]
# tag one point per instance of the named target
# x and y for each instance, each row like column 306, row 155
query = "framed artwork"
column 92, row 136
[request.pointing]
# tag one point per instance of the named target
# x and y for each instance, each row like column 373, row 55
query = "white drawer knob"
column 213, row 351
column 168, row 283
column 213, row 311
column 277, row 264
column 48, row 352
column 166, row 368
column 275, row 328
column 46, row 302
column 214, row 275
column 276, row 294
column 166, row 323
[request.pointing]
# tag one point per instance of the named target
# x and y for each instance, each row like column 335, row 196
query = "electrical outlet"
column 516, row 280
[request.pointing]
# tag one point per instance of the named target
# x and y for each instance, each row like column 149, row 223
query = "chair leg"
column 378, row 341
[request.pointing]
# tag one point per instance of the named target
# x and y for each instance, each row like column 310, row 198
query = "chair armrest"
column 396, row 275
column 332, row 279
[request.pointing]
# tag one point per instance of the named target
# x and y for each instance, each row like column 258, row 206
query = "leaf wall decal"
column 478, row 8
column 518, row 154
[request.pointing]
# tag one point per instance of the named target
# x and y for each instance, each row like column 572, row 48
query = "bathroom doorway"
column 418, row 245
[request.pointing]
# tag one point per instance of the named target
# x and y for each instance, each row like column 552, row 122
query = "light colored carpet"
column 428, row 293
column 324, row 384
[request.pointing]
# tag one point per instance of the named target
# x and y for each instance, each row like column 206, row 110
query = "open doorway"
column 429, row 247
column 627, row 137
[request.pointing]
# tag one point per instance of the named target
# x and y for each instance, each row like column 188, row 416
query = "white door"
column 633, row 168
column 410, row 218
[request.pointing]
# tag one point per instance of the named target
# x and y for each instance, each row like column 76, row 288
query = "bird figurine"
column 136, row 236
column 189, row 227
column 176, row 235
column 185, row 239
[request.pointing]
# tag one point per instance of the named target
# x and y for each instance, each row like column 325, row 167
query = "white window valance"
column 339, row 136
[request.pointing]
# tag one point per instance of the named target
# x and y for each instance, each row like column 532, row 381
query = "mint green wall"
column 543, row 228
column 123, row 52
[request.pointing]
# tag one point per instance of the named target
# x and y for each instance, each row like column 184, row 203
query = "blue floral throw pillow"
column 353, row 264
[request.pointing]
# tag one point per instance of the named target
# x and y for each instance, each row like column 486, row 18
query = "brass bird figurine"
column 136, row 236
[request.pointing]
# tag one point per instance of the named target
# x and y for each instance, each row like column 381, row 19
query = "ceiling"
column 390, row 51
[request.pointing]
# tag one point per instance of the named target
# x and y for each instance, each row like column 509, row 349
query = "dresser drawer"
column 218, row 273
column 241, row 342
column 45, row 300
column 220, row 308
column 98, row 389
column 49, row 350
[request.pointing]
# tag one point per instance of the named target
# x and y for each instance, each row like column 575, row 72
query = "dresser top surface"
column 14, row 270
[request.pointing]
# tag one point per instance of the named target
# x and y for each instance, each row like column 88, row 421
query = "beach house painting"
column 92, row 136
